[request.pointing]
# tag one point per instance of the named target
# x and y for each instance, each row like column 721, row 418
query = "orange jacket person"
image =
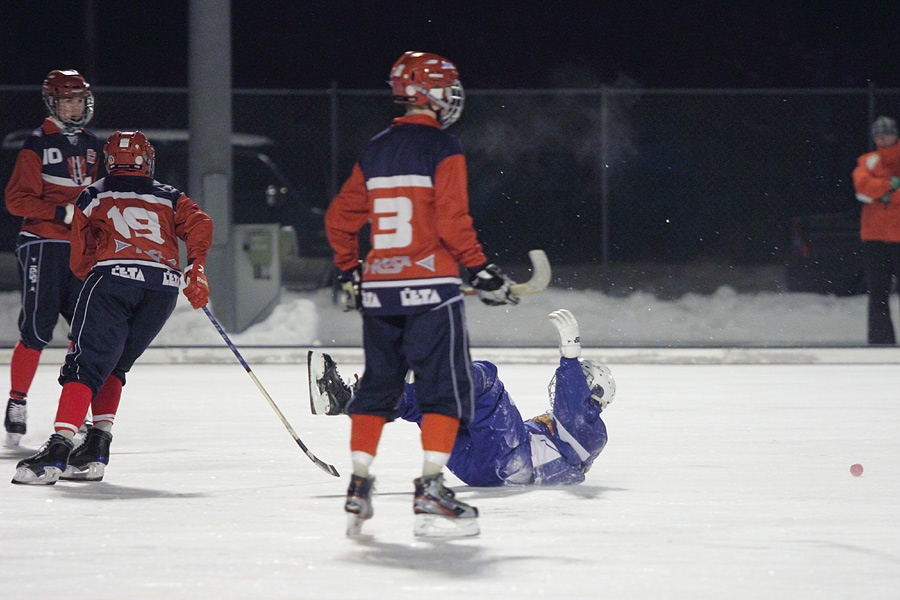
column 877, row 180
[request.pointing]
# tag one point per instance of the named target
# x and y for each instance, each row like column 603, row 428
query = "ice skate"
column 45, row 467
column 359, row 503
column 88, row 461
column 439, row 514
column 328, row 394
column 16, row 416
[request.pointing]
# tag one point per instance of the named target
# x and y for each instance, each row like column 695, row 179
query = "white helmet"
column 600, row 381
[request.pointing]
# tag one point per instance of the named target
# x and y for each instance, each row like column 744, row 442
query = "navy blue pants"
column 114, row 323
column 434, row 345
column 49, row 289
column 881, row 262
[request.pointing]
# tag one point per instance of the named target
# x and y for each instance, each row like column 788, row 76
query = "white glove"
column 70, row 212
column 569, row 337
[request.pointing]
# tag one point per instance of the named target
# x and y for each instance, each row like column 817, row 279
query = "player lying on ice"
column 498, row 447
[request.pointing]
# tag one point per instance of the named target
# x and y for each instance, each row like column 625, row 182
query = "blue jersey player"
column 498, row 447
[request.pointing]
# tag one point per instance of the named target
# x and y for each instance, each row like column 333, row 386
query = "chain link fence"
column 601, row 176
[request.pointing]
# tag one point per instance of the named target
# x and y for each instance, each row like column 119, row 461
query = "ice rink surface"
column 719, row 481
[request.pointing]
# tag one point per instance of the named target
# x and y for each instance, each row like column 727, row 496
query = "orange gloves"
column 196, row 288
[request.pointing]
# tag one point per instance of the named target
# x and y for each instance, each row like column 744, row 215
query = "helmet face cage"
column 599, row 380
column 67, row 84
column 422, row 79
column 129, row 151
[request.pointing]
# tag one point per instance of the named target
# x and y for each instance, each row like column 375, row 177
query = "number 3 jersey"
column 128, row 226
column 410, row 183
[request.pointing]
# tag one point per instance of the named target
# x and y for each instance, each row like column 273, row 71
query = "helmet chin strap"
column 64, row 127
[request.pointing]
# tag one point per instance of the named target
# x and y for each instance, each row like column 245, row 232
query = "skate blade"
column 13, row 439
column 25, row 476
column 354, row 525
column 318, row 403
column 440, row 527
column 93, row 472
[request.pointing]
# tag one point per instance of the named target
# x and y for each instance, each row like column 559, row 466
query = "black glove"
column 492, row 285
column 351, row 295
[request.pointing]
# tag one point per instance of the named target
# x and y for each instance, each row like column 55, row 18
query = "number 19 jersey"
column 128, row 227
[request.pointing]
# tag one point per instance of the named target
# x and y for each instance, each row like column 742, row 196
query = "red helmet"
column 420, row 78
column 129, row 151
column 68, row 84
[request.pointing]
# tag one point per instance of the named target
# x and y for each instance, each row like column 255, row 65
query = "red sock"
column 365, row 432
column 106, row 403
column 73, row 406
column 22, row 366
column 438, row 432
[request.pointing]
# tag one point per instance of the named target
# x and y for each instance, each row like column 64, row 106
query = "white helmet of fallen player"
column 600, row 381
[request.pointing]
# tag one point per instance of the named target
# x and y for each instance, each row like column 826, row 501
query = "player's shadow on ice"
column 473, row 494
column 460, row 558
column 588, row 492
column 99, row 490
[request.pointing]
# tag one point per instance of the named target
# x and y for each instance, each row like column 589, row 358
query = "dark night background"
column 706, row 176
column 496, row 44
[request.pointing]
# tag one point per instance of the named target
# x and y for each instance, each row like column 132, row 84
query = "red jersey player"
column 58, row 160
column 125, row 236
column 410, row 184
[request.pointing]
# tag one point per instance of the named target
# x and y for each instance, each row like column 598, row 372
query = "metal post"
column 209, row 147
column 604, row 172
column 871, row 120
column 332, row 92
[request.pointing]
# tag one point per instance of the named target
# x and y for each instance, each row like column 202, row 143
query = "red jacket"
column 872, row 180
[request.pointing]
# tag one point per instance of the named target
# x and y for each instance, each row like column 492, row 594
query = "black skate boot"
column 439, row 514
column 45, row 467
column 88, row 461
column 16, row 415
column 359, row 503
column 328, row 394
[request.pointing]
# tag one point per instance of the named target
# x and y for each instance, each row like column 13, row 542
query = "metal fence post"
column 871, row 120
column 333, row 94
column 604, row 172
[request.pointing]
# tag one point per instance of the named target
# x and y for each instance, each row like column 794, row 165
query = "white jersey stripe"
column 66, row 181
column 134, row 261
column 397, row 181
column 568, row 438
column 409, row 282
column 148, row 198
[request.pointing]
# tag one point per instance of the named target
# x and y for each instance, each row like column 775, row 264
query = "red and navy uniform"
column 50, row 171
column 410, row 183
column 125, row 234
